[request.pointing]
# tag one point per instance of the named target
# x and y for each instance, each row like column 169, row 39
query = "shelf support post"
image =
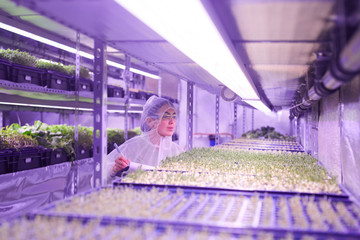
column 189, row 113
column 127, row 76
column 252, row 119
column 235, row 121
column 160, row 87
column 217, row 109
column 76, row 127
column 100, row 109
column 244, row 120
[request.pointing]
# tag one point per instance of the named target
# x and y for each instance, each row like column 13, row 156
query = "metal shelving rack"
column 90, row 26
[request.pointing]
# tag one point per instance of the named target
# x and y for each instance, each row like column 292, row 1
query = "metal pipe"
column 343, row 69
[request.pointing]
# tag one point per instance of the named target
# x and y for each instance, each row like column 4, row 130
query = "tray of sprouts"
column 241, row 170
column 205, row 208
column 47, row 227
column 262, row 145
column 256, row 147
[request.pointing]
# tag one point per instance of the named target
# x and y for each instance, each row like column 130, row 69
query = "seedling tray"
column 84, row 153
column 114, row 91
column 57, row 156
column 6, row 156
column 234, row 212
column 86, row 85
column 58, row 80
column 74, row 228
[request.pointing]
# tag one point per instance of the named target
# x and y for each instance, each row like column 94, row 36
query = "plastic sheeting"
column 329, row 136
column 23, row 191
column 338, row 138
column 350, row 137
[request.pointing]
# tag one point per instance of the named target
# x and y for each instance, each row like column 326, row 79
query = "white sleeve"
column 134, row 166
column 110, row 162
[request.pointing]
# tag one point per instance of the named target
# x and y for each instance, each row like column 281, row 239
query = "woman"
column 158, row 122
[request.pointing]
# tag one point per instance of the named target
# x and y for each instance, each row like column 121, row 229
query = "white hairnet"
column 154, row 108
column 150, row 148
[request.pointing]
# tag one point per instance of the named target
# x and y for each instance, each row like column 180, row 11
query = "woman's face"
column 167, row 123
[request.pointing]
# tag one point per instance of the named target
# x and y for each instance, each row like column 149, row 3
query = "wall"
column 279, row 120
column 169, row 85
column 204, row 118
column 329, row 135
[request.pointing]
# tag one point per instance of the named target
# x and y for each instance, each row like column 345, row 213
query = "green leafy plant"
column 267, row 133
column 51, row 136
column 118, row 136
column 137, row 131
column 114, row 135
column 11, row 138
column 84, row 72
column 37, row 131
column 52, row 66
column 86, row 137
column 62, row 136
column 18, row 57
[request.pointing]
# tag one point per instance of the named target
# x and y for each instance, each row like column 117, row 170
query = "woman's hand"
column 120, row 164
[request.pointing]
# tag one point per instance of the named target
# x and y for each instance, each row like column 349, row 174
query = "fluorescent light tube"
column 186, row 25
column 258, row 104
column 134, row 70
column 69, row 49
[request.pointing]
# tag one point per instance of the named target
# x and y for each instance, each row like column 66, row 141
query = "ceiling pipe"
column 343, row 68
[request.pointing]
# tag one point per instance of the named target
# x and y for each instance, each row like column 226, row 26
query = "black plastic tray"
column 26, row 74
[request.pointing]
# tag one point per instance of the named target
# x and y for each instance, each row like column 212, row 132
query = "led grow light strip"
column 44, row 106
column 43, row 40
column 66, row 108
column 186, row 25
column 69, row 49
